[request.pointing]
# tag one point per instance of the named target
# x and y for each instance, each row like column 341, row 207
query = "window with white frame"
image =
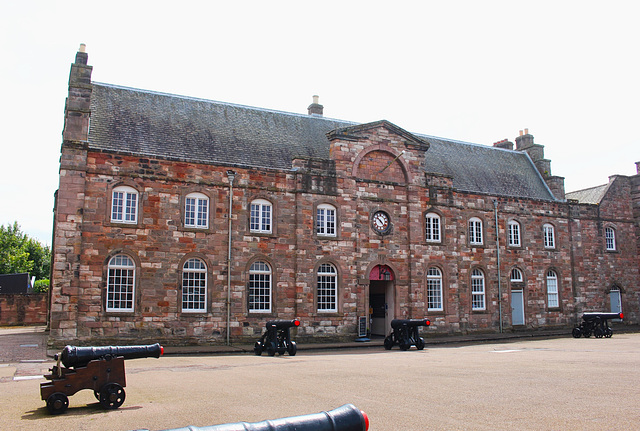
column 326, row 220
column 514, row 233
column 194, row 286
column 549, row 236
column 610, row 237
column 261, row 215
column 196, row 211
column 516, row 276
column 432, row 228
column 120, row 284
column 552, row 289
column 124, row 205
column 475, row 231
column 327, row 293
column 434, row 289
column 260, row 288
column 477, row 290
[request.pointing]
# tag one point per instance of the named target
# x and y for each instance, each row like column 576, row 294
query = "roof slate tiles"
column 149, row 124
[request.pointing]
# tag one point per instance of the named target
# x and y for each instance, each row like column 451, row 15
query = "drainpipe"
column 495, row 212
column 231, row 176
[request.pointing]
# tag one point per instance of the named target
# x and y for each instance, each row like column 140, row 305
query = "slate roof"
column 150, row 124
column 592, row 195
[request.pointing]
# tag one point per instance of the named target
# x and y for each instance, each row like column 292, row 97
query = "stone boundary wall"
column 23, row 309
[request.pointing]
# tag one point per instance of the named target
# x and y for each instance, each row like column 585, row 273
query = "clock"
column 380, row 222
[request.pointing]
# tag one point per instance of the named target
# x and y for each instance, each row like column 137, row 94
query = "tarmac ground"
column 494, row 382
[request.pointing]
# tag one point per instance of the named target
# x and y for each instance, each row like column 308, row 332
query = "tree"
column 19, row 253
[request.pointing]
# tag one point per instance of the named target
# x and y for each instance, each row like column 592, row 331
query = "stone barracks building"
column 189, row 221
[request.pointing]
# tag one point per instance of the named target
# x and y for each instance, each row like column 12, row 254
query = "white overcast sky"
column 475, row 71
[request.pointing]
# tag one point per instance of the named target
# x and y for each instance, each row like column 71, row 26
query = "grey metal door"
column 517, row 307
column 616, row 303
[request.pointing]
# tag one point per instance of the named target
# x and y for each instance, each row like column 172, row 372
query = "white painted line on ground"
column 28, row 377
column 506, row 351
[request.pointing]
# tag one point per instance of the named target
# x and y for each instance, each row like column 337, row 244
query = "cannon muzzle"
column 282, row 324
column 73, row 356
column 345, row 418
column 411, row 323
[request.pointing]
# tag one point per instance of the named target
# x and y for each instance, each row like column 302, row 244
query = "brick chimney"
column 504, row 144
column 524, row 142
column 315, row 108
column 77, row 112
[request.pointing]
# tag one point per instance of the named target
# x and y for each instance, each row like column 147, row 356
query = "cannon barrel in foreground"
column 396, row 323
column 73, row 356
column 345, row 418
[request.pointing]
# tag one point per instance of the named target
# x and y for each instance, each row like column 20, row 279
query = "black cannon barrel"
column 282, row 324
column 397, row 323
column 345, row 418
column 73, row 356
column 595, row 315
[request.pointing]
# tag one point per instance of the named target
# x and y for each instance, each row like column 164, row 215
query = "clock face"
column 380, row 222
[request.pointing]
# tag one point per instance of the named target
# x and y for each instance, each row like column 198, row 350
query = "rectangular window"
column 514, row 234
column 124, row 205
column 610, row 236
column 260, row 217
column 260, row 288
column 475, row 232
column 326, row 221
column 432, row 228
column 120, row 289
column 196, row 212
column 549, row 237
column 327, row 289
column 477, row 290
column 434, row 290
column 194, row 285
column 552, row 290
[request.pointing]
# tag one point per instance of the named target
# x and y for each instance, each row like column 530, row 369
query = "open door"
column 381, row 299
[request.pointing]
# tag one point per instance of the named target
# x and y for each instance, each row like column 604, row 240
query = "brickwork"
column 23, row 309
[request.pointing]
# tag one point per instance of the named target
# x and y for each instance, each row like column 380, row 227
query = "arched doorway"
column 381, row 299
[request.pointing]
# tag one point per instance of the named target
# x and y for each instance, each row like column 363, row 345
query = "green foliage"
column 19, row 253
column 41, row 286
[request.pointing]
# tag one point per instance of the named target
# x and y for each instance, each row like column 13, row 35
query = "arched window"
column 475, row 231
column 549, row 236
column 196, row 211
column 514, row 234
column 610, row 237
column 516, row 276
column 434, row 289
column 552, row 289
column 260, row 287
column 124, row 205
column 432, row 227
column 326, row 220
column 121, row 284
column 194, row 286
column 327, row 289
column 261, row 216
column 477, row 290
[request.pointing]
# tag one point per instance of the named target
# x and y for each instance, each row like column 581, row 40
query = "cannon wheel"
column 57, row 403
column 404, row 345
column 112, row 396
column 598, row 332
column 388, row 343
column 608, row 332
column 420, row 343
column 586, row 333
column 292, row 349
column 257, row 348
column 271, row 348
column 576, row 332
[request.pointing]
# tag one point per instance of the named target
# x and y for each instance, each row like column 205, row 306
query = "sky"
column 474, row 71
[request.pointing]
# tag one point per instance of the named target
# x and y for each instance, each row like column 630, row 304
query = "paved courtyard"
column 544, row 384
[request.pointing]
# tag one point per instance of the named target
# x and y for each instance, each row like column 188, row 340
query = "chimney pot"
column 521, row 133
column 83, row 48
column 315, row 108
column 526, row 131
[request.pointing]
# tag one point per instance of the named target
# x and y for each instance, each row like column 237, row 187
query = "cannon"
column 276, row 338
column 595, row 323
column 97, row 368
column 345, row 418
column 406, row 334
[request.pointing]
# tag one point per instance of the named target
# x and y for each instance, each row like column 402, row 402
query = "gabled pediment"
column 360, row 131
